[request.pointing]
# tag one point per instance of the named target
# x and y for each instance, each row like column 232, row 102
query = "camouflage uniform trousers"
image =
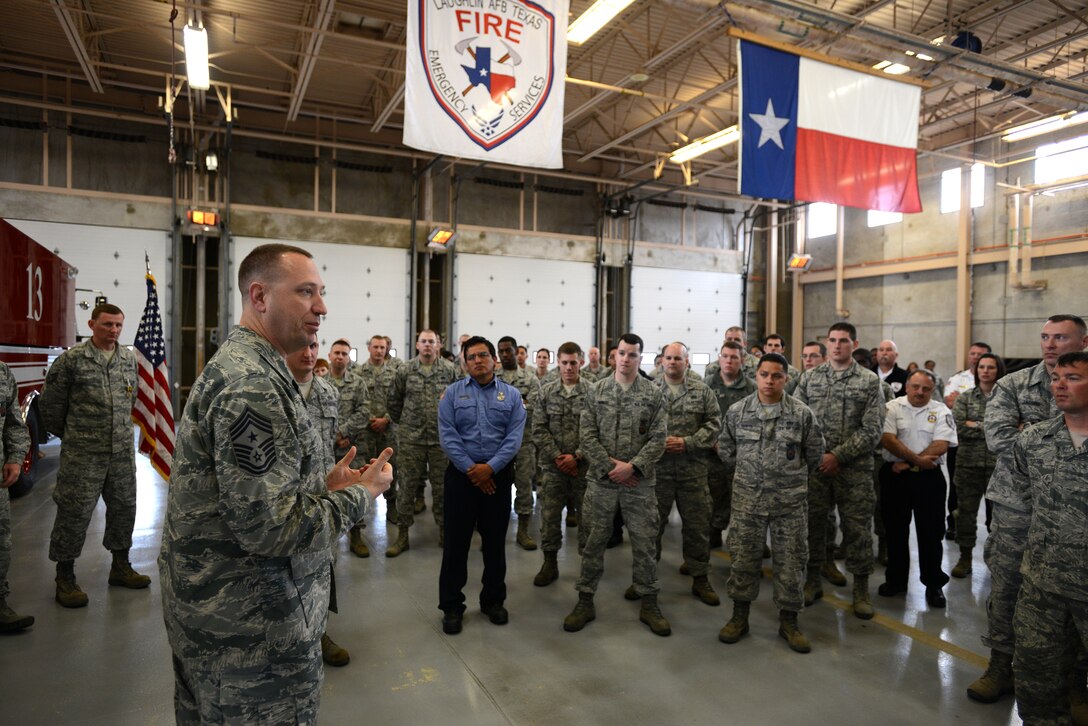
column 720, row 484
column 1050, row 630
column 81, row 479
column 789, row 552
column 419, row 462
column 878, row 518
column 287, row 691
column 524, row 474
column 852, row 491
column 5, row 542
column 375, row 443
column 970, row 488
column 1004, row 553
column 639, row 508
column 692, row 497
column 556, row 490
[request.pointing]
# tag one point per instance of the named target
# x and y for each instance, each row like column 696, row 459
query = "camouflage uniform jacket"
column 849, row 405
column 625, row 425
column 354, row 410
column 94, row 392
column 590, row 376
column 557, row 419
column 1019, row 399
column 379, row 381
column 413, row 399
column 773, row 454
column 693, row 413
column 528, row 386
column 971, row 406
column 1054, row 478
column 728, row 394
column 323, row 407
column 16, row 439
column 247, row 540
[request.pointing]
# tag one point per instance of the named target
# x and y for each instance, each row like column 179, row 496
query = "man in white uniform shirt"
column 917, row 434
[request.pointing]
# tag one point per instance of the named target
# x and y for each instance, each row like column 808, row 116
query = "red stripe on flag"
column 856, row 173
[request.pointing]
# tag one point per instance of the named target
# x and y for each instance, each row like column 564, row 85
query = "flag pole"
column 147, row 262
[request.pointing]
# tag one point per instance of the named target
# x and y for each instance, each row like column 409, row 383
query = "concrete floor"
column 109, row 663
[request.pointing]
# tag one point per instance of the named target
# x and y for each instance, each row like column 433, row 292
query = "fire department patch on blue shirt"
column 254, row 447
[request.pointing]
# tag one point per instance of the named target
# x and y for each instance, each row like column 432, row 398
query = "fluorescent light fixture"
column 701, row 146
column 593, row 19
column 1045, row 126
column 919, row 56
column 196, row 58
column 893, row 69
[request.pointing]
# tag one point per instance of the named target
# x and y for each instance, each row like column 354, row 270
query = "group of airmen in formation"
column 754, row 447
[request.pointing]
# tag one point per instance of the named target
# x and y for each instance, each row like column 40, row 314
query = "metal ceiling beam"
column 323, row 14
column 75, row 39
column 390, row 107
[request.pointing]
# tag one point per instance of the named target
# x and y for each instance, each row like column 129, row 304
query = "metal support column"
column 963, row 273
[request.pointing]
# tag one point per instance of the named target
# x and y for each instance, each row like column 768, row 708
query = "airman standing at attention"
column 525, row 464
column 623, row 433
column 14, row 443
column 849, row 405
column 87, row 402
column 352, row 421
column 593, row 370
column 413, row 405
column 694, row 421
column 728, row 386
column 556, row 430
column 775, row 444
column 379, row 371
column 1020, row 399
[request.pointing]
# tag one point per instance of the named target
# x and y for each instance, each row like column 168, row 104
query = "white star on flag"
column 770, row 126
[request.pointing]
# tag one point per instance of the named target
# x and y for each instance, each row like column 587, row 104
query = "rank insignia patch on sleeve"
column 254, row 448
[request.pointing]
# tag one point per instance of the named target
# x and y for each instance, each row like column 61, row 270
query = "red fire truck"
column 37, row 325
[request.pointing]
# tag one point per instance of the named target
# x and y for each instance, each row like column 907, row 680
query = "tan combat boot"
column 738, row 624
column 700, row 588
column 583, row 613
column 651, row 615
column 549, row 571
column 996, row 681
column 863, row 606
column 68, row 593
column 358, row 544
column 963, row 567
column 122, row 574
column 831, row 572
column 11, row 621
column 813, row 590
column 788, row 631
column 401, row 545
column 525, row 541
column 332, row 653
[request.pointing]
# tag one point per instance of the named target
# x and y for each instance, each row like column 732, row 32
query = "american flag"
column 154, row 411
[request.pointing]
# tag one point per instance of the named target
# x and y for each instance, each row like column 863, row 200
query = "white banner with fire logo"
column 485, row 79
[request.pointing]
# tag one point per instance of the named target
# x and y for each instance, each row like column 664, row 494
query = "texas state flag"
column 817, row 132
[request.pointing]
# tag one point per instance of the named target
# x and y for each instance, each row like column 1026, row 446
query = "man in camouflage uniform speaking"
column 1050, row 467
column 251, row 518
column 87, row 402
column 14, row 443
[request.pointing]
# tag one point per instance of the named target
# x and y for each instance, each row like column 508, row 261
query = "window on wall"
column 822, row 219
column 1063, row 160
column 879, row 218
column 950, row 188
